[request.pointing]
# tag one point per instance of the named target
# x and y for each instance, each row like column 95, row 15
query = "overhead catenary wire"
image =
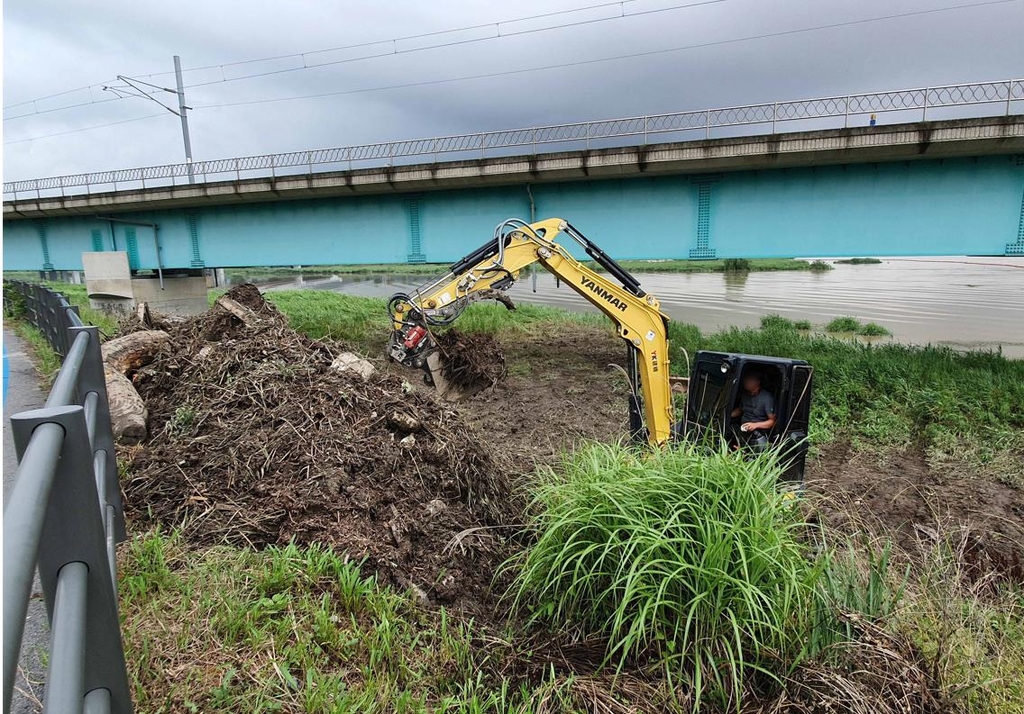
column 84, row 128
column 498, row 35
column 578, row 63
column 632, row 55
column 455, row 43
column 299, row 55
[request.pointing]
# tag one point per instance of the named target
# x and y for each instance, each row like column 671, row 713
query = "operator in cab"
column 756, row 412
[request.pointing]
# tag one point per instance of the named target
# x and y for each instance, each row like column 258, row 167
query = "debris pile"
column 255, row 438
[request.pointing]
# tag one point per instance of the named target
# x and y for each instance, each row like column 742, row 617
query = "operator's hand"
column 749, row 426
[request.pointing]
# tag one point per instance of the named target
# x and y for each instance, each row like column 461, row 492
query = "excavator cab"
column 716, row 388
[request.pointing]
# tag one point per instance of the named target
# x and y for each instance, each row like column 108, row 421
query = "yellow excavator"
column 715, row 380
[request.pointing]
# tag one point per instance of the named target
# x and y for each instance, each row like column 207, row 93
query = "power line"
column 84, row 128
column 580, row 63
column 455, row 43
column 540, row 16
column 56, row 94
column 435, row 33
column 649, row 53
column 75, row 106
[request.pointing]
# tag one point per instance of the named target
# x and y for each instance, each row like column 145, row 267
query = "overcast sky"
column 50, row 46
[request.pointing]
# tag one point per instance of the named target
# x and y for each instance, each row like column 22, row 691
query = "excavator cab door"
column 715, row 389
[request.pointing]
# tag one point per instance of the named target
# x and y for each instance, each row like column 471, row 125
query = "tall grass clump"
column 859, row 261
column 873, row 329
column 681, row 558
column 737, row 265
column 843, row 324
column 776, row 322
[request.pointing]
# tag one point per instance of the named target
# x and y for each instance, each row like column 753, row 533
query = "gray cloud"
column 51, row 46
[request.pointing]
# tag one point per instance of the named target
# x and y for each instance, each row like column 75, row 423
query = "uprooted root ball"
column 472, row 361
column 255, row 440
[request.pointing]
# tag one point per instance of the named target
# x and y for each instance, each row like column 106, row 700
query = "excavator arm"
column 494, row 267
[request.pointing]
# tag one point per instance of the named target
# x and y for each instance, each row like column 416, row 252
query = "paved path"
column 22, row 392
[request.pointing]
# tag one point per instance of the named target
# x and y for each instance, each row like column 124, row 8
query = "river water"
column 963, row 303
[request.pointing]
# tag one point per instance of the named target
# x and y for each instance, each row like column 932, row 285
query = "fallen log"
column 128, row 412
column 134, row 350
column 237, row 309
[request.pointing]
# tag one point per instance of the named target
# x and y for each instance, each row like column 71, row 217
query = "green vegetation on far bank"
column 859, row 261
column 428, row 269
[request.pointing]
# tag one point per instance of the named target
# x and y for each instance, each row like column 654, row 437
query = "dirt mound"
column 256, row 439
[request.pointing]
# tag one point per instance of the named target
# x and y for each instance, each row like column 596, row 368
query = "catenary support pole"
column 183, row 113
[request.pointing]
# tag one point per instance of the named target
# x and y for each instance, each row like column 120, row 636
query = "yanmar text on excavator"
column 715, row 388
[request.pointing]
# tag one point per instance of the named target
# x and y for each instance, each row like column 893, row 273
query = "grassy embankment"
column 298, row 629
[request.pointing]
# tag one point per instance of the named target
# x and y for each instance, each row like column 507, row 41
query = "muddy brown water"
column 964, row 303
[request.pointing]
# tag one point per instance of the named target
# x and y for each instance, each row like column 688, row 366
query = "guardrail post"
column 73, row 534
column 924, row 110
column 846, row 114
column 775, row 115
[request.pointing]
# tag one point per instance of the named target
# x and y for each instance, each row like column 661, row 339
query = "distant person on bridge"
column 756, row 413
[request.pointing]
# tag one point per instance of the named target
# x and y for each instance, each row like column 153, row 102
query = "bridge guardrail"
column 65, row 515
column 779, row 115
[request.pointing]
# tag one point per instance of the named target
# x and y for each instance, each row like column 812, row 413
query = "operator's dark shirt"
column 757, row 407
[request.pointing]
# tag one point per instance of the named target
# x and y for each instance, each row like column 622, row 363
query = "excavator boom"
column 494, row 267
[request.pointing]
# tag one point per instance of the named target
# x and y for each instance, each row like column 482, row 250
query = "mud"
column 901, row 496
column 255, row 440
column 559, row 393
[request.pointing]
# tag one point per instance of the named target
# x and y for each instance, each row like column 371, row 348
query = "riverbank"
column 236, row 275
column 911, row 444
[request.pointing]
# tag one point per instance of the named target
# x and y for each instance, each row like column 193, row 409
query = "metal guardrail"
column 780, row 115
column 65, row 515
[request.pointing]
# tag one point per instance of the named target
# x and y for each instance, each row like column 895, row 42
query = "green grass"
column 76, row 295
column 681, row 558
column 961, row 407
column 873, row 329
column 44, row 358
column 713, row 266
column 859, row 261
column 852, row 325
column 819, row 266
column 283, row 271
column 843, row 324
column 364, row 324
column 299, row 630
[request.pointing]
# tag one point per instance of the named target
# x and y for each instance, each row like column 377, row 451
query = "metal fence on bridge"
column 909, row 104
column 64, row 514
